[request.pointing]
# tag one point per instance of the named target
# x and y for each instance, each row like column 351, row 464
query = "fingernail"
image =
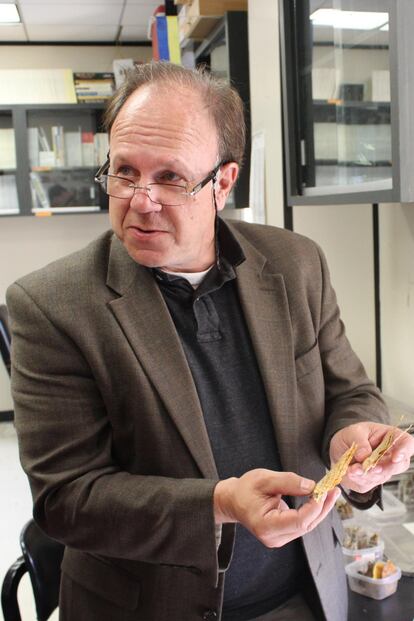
column 398, row 457
column 355, row 473
column 307, row 484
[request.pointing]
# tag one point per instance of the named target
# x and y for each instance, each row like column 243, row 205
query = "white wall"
column 265, row 98
column 397, row 300
column 75, row 57
column 344, row 233
column 27, row 243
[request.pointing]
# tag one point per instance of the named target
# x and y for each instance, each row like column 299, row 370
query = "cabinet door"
column 9, row 203
column 337, row 99
column 65, row 148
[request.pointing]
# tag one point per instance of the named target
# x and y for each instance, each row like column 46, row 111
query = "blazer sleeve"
column 350, row 396
column 81, row 496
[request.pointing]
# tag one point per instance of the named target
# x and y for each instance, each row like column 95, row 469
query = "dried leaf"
column 335, row 474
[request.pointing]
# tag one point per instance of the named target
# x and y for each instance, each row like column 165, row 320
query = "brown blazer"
column 112, row 436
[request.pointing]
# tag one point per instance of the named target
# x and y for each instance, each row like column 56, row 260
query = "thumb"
column 364, row 450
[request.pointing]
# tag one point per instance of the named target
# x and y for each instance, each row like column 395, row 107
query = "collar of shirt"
column 231, row 255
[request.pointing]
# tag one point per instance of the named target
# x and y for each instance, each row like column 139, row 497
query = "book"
column 39, row 195
column 101, row 144
column 121, row 66
column 162, row 37
column 33, row 139
column 58, row 145
column 43, row 140
column 88, row 149
column 73, row 148
column 93, row 86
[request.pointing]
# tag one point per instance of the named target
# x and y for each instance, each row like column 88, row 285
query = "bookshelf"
column 49, row 154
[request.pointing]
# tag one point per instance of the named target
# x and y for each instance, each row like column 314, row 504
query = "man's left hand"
column 367, row 436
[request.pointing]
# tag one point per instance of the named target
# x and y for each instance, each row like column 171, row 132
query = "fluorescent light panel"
column 350, row 20
column 9, row 14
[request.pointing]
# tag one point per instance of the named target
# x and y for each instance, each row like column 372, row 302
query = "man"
column 184, row 375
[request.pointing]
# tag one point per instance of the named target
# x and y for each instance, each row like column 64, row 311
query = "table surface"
column 397, row 607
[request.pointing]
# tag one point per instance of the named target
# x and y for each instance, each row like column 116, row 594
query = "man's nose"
column 142, row 202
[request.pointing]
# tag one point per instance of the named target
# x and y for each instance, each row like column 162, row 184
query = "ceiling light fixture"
column 350, row 20
column 9, row 14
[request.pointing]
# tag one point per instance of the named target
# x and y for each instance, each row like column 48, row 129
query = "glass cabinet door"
column 9, row 204
column 340, row 55
column 65, row 150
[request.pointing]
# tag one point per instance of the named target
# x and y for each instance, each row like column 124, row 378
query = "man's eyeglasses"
column 168, row 194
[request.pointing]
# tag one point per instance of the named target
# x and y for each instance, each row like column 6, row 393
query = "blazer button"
column 209, row 615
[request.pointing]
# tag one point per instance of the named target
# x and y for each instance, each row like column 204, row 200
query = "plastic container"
column 376, row 588
column 371, row 553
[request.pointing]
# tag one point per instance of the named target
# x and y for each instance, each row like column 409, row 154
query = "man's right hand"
column 255, row 500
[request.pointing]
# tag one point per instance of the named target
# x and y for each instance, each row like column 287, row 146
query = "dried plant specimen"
column 377, row 454
column 335, row 474
column 372, row 460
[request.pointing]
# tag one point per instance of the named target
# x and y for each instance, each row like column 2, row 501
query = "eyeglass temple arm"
column 211, row 176
column 104, row 168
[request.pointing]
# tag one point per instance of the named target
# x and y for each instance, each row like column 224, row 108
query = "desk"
column 397, row 607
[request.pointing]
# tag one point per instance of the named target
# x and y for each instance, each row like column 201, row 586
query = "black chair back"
column 43, row 557
column 5, row 338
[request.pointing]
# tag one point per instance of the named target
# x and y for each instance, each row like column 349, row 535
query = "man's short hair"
column 222, row 101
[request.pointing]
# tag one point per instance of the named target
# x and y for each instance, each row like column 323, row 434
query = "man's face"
column 167, row 137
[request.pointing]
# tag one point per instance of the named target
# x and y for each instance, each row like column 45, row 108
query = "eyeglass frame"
column 199, row 186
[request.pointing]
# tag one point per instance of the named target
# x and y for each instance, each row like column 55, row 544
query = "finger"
column 294, row 521
column 292, row 484
column 326, row 506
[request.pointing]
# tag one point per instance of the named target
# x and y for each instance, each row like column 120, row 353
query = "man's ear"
column 226, row 178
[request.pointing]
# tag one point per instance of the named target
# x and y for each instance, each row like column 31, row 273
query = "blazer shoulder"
column 69, row 273
column 277, row 244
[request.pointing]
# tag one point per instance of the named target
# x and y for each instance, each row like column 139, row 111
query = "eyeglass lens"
column 158, row 192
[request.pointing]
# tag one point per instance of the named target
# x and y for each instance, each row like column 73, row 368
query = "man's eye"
column 170, row 177
column 125, row 171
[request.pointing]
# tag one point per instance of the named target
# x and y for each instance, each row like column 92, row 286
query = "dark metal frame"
column 295, row 124
column 232, row 29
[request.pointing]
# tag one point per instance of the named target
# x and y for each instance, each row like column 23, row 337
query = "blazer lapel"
column 265, row 304
column 147, row 325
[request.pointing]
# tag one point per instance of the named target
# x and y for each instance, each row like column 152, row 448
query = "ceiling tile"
column 71, row 33
column 153, row 3
column 12, row 33
column 68, row 14
column 134, row 33
column 59, row 2
column 137, row 14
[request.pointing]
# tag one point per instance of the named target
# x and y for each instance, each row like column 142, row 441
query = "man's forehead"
column 164, row 101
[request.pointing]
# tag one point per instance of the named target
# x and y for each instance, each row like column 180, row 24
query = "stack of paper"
column 7, row 149
column 9, row 203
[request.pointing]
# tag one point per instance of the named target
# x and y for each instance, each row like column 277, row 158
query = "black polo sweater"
column 216, row 341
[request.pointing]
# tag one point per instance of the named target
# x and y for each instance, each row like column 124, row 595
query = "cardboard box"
column 216, row 8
